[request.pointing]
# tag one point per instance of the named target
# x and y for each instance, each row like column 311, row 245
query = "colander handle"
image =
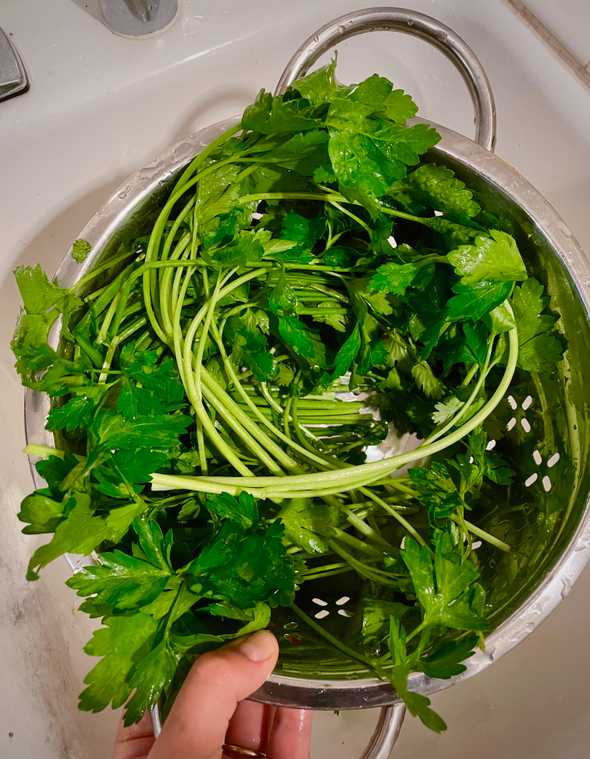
column 418, row 25
column 386, row 732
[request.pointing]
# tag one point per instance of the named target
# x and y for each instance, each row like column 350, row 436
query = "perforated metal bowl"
column 551, row 436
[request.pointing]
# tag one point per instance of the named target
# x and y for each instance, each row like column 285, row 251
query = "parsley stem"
column 350, row 477
column 323, row 633
column 358, row 545
column 416, row 631
column 480, row 533
column 43, row 451
column 233, row 377
column 371, row 573
column 474, row 393
column 200, row 158
column 394, row 513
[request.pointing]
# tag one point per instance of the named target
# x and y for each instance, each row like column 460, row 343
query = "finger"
column 290, row 736
column 249, row 726
column 218, row 681
column 135, row 741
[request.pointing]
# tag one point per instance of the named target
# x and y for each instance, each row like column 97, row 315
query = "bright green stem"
column 331, row 639
column 347, row 478
column 235, row 380
column 392, row 511
column 474, row 393
column 478, row 532
column 371, row 573
column 43, row 451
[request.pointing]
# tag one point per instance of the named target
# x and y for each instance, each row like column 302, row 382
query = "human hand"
column 210, row 718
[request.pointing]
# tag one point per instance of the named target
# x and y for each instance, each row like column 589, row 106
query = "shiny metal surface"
column 13, row 76
column 386, row 733
column 381, row 742
column 138, row 18
column 418, row 25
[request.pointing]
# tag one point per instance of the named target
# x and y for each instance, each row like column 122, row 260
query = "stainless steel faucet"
column 136, row 18
column 13, row 77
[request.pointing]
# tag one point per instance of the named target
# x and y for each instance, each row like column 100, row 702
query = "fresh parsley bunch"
column 312, row 281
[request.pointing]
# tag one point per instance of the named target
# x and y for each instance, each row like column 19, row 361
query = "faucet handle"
column 138, row 18
column 13, row 77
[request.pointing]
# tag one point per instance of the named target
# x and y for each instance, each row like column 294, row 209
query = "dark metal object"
column 13, row 77
column 138, row 18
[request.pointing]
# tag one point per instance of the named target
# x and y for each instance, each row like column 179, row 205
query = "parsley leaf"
column 447, row 658
column 120, row 581
column 81, row 532
column 439, row 188
column 540, row 347
column 446, row 410
column 347, row 353
column 44, row 302
column 377, row 93
column 308, row 524
column 250, row 348
column 274, row 115
column 436, row 490
column 368, row 161
column 241, row 509
column 123, row 642
column 444, row 588
column 302, row 341
column 80, row 250
column 392, row 278
column 475, row 301
column 320, row 86
column 494, row 259
column 417, row 704
column 245, row 566
column 41, row 512
column 78, row 411
column 425, row 379
column 148, row 678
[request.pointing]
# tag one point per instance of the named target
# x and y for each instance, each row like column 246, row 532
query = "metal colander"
column 548, row 437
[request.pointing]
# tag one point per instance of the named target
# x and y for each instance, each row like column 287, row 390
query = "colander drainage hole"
column 545, row 480
column 323, row 612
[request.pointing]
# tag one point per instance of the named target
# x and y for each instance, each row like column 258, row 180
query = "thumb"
column 218, row 681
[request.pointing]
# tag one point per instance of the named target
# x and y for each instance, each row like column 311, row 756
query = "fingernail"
column 259, row 646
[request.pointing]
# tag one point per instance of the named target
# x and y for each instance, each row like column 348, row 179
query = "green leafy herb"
column 80, row 250
column 218, row 386
column 494, row 259
column 392, row 278
column 540, row 347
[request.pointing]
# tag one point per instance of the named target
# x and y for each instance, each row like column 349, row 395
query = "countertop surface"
column 101, row 106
